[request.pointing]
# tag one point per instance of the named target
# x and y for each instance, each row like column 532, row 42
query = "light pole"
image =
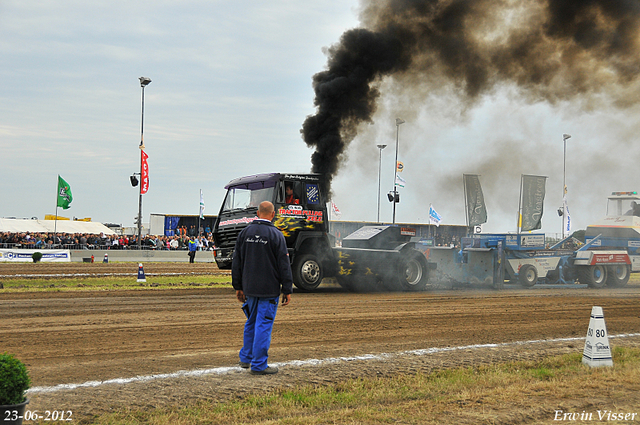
column 395, row 169
column 379, row 171
column 564, row 180
column 144, row 81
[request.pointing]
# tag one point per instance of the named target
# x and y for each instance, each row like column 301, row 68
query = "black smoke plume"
column 551, row 50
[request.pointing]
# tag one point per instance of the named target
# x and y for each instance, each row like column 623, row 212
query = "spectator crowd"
column 29, row 240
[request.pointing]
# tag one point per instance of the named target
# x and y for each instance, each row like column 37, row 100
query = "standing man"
column 193, row 247
column 260, row 272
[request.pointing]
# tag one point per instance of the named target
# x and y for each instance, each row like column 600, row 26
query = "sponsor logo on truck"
column 241, row 220
column 609, row 258
column 297, row 211
column 407, row 231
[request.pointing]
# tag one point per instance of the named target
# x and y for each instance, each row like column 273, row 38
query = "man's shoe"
column 270, row 370
column 244, row 365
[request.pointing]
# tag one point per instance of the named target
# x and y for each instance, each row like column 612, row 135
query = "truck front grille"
column 227, row 238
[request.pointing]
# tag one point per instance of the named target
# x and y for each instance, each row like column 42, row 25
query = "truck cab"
column 620, row 231
column 621, row 226
column 301, row 215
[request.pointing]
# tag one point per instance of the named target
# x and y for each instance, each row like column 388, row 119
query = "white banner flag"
column 434, row 217
column 336, row 211
column 566, row 217
column 201, row 205
column 400, row 181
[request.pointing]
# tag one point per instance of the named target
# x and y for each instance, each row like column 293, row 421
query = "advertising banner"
column 201, row 205
column 476, row 209
column 24, row 255
column 533, row 191
column 144, row 177
column 566, row 217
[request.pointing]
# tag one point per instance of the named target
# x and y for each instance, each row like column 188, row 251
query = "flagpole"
column 519, row 219
column 466, row 205
column 395, row 168
column 144, row 81
column 139, row 241
column 564, row 179
column 435, row 234
column 199, row 212
column 55, row 223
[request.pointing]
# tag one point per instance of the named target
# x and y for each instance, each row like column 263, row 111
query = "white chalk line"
column 300, row 363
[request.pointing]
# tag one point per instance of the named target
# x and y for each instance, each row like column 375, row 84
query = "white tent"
column 47, row 226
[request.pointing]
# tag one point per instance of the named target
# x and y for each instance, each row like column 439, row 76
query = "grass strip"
column 507, row 393
column 112, row 283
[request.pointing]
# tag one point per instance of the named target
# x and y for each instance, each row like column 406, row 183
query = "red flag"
column 144, row 177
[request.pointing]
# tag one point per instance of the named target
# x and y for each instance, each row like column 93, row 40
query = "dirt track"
column 72, row 337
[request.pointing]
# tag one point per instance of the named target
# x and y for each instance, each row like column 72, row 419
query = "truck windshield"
column 240, row 198
column 623, row 206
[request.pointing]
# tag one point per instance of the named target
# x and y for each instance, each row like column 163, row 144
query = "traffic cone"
column 106, row 258
column 596, row 348
column 141, row 277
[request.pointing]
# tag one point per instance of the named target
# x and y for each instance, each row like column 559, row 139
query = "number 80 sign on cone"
column 596, row 348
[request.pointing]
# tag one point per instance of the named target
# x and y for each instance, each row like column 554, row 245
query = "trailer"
column 610, row 253
column 381, row 258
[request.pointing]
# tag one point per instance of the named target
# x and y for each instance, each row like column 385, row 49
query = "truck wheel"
column 594, row 276
column 307, row 272
column 527, row 276
column 413, row 274
column 618, row 275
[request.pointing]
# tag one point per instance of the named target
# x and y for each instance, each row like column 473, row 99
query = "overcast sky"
column 231, row 87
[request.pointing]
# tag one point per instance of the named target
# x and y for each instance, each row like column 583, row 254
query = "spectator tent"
column 47, row 226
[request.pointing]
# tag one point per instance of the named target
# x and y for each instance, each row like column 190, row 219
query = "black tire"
column 618, row 275
column 307, row 272
column 527, row 276
column 594, row 276
column 413, row 274
column 553, row 277
column 224, row 265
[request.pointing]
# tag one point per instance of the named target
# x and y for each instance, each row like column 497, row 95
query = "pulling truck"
column 610, row 253
column 371, row 258
column 615, row 242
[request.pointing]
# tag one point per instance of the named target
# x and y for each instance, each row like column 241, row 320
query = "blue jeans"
column 257, row 331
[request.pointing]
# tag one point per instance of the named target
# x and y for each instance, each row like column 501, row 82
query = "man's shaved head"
column 265, row 210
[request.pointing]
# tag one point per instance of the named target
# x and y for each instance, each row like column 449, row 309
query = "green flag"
column 64, row 193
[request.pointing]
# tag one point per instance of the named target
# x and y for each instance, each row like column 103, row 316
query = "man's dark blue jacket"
column 260, row 265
